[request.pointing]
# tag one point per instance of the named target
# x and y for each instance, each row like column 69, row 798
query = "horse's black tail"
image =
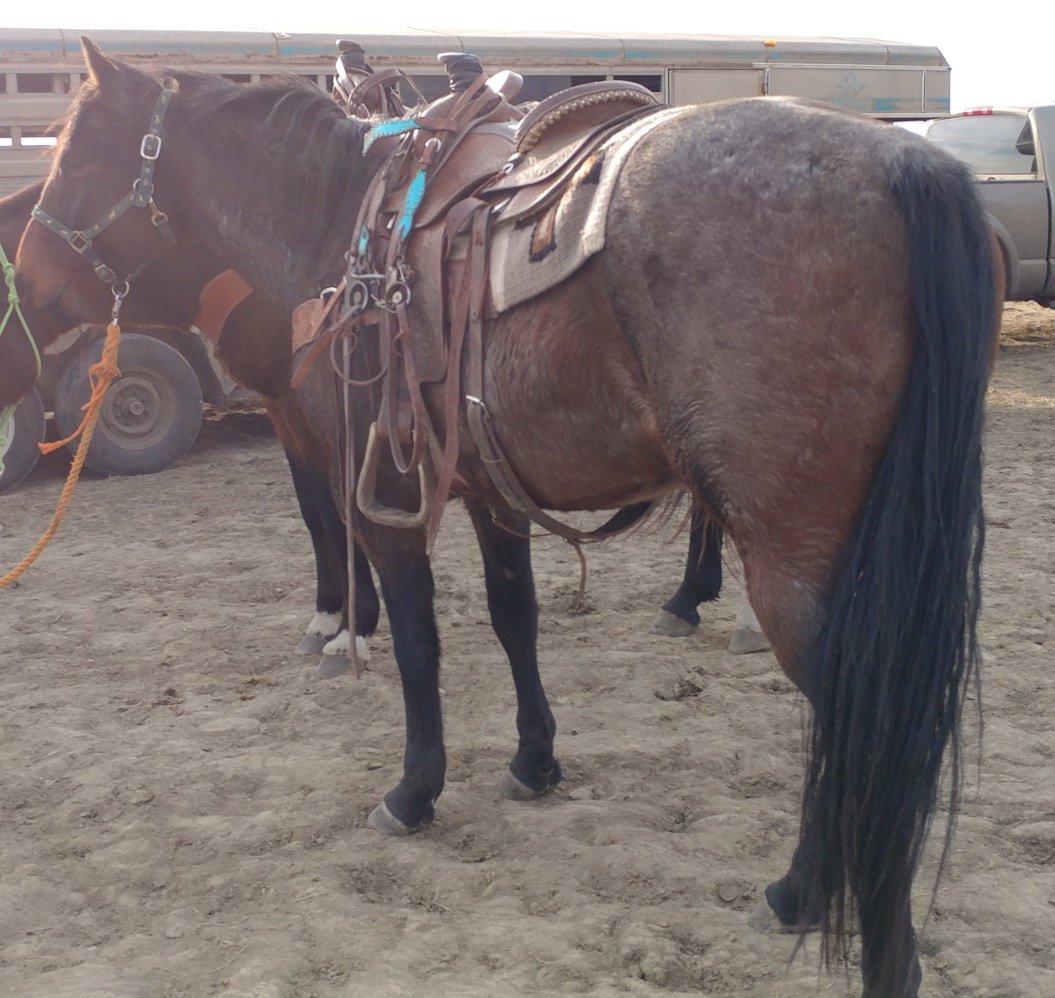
column 896, row 648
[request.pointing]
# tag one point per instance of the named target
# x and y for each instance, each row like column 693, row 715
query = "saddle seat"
column 556, row 136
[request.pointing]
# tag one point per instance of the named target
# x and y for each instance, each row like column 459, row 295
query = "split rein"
column 105, row 371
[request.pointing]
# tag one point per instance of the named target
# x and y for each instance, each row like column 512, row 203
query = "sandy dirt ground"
column 182, row 801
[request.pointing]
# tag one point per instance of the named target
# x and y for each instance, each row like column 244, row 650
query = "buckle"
column 105, row 274
column 79, row 242
column 150, row 147
column 142, row 192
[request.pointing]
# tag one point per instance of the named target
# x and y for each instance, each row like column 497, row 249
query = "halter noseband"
column 140, row 196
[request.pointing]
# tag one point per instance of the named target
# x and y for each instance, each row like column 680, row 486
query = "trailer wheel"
column 151, row 415
column 20, row 453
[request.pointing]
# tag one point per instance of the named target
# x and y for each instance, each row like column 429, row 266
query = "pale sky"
column 1000, row 54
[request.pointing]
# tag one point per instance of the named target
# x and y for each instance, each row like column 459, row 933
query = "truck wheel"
column 150, row 416
column 20, row 454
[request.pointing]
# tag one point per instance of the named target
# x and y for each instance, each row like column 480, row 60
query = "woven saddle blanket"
column 533, row 253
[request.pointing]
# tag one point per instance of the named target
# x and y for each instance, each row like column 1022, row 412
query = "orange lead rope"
column 102, row 375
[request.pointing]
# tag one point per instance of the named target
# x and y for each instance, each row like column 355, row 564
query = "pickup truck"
column 1011, row 152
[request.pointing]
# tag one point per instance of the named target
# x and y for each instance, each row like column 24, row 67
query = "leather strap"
column 321, row 337
column 494, row 461
column 472, row 212
column 140, row 196
column 218, row 299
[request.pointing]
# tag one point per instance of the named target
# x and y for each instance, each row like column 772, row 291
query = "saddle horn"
column 354, row 76
column 462, row 68
column 353, row 56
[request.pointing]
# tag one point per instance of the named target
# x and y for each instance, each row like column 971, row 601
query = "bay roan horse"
column 254, row 347
column 793, row 316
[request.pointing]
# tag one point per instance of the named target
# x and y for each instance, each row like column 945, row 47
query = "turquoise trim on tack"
column 384, row 129
column 415, row 195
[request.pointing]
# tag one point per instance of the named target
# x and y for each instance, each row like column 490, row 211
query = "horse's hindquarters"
column 771, row 316
column 815, row 325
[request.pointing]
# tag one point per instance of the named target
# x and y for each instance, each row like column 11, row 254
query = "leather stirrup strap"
column 457, row 219
column 495, row 463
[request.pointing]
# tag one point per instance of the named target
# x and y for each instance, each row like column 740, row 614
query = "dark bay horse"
column 254, row 347
column 825, row 403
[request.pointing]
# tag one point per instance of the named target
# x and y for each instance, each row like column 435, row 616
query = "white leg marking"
column 324, row 624
column 339, row 646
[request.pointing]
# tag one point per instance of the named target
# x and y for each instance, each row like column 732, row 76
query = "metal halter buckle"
column 150, row 147
column 79, row 242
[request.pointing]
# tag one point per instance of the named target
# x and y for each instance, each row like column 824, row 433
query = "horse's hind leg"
column 702, row 581
column 747, row 636
column 790, row 608
column 514, row 616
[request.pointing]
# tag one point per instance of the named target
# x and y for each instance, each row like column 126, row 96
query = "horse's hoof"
column 764, row 919
column 321, row 629
column 384, row 821
column 668, row 625
column 745, row 642
column 334, row 661
column 312, row 644
column 511, row 787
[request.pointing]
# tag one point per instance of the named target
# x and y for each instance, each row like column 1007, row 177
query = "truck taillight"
column 974, row 111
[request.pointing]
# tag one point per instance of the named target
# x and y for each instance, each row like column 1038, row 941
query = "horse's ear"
column 102, row 70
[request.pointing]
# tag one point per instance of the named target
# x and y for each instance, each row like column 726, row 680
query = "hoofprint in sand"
column 184, row 800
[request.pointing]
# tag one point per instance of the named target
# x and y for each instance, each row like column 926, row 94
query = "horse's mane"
column 312, row 172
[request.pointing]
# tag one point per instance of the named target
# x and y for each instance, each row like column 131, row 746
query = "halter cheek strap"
column 140, row 196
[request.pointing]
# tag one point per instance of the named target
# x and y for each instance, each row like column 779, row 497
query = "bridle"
column 140, row 196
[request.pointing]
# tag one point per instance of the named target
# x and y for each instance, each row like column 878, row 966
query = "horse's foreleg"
column 334, row 660
column 327, row 632
column 514, row 616
column 407, row 588
column 329, row 575
column 702, row 581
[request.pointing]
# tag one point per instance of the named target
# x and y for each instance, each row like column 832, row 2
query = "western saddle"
column 417, row 268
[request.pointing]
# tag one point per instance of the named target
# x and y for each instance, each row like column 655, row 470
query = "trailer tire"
column 151, row 415
column 24, row 432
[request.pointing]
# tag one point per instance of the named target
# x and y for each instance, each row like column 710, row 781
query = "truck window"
column 989, row 144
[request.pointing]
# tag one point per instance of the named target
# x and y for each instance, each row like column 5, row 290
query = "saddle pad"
column 532, row 254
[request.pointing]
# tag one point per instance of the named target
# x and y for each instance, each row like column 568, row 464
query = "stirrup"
column 366, row 490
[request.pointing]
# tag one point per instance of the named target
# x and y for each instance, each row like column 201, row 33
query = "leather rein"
column 141, row 195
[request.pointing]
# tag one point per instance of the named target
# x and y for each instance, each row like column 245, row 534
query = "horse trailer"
column 148, row 417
